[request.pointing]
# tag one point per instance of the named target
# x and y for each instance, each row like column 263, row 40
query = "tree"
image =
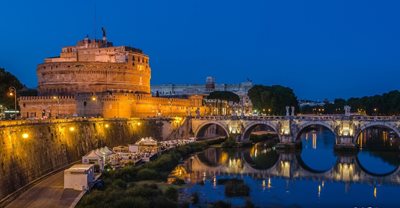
column 385, row 104
column 274, row 97
column 224, row 95
column 6, row 81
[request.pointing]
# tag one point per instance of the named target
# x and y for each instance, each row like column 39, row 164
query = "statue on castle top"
column 104, row 31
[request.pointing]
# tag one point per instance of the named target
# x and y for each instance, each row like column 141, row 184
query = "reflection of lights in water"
column 223, row 158
column 375, row 192
column 319, row 190
column 306, row 136
column 263, row 184
column 235, row 163
column 269, row 183
column 214, row 181
column 314, row 140
column 385, row 136
column 287, row 186
column 323, row 184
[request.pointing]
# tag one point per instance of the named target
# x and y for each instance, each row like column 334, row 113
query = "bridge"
column 346, row 128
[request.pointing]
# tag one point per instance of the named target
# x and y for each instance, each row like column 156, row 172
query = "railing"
column 303, row 117
column 5, row 123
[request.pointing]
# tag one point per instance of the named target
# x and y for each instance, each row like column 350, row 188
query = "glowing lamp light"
column 25, row 135
column 106, row 125
column 11, row 94
column 139, row 123
column 94, row 98
column 71, row 129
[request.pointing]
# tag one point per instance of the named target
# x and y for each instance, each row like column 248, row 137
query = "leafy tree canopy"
column 385, row 104
column 6, row 81
column 274, row 97
column 224, row 95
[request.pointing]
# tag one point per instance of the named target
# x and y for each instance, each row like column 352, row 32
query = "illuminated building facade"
column 214, row 107
column 97, row 79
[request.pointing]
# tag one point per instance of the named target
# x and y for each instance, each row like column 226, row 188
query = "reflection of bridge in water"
column 347, row 169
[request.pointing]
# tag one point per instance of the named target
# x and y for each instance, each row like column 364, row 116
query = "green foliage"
column 163, row 202
column 147, row 174
column 132, row 202
column 172, row 193
column 124, row 189
column 273, row 97
column 179, row 182
column 385, row 104
column 224, row 95
column 6, row 81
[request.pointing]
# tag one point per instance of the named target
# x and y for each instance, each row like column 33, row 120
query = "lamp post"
column 58, row 105
column 13, row 92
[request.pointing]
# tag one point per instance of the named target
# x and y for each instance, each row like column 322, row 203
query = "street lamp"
column 375, row 111
column 13, row 92
column 25, row 135
column 58, row 105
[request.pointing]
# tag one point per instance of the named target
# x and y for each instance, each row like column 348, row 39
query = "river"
column 315, row 176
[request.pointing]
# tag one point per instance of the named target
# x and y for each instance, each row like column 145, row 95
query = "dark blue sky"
column 321, row 49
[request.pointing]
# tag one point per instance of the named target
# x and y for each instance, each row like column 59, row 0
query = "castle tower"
column 210, row 84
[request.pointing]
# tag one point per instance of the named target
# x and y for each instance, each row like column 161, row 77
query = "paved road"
column 48, row 193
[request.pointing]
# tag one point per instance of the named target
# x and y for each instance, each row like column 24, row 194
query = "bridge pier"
column 287, row 143
column 345, row 143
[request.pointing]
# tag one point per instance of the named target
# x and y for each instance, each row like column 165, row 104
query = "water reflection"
column 378, row 151
column 314, row 176
column 320, row 145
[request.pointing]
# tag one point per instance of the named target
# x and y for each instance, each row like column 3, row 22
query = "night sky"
column 320, row 48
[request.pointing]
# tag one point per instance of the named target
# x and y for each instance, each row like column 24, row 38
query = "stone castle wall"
column 109, row 105
column 68, row 78
column 54, row 144
column 49, row 106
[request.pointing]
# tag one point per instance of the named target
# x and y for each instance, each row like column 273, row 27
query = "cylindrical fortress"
column 68, row 78
column 95, row 66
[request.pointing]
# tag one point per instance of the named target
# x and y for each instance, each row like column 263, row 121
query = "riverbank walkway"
column 49, row 192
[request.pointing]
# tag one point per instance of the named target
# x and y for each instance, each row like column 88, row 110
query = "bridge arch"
column 313, row 123
column 374, row 124
column 205, row 125
column 250, row 127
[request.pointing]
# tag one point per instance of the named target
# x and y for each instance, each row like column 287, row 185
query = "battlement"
column 47, row 98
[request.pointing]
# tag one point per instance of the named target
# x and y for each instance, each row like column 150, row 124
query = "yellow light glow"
column 269, row 183
column 139, row 123
column 71, row 129
column 94, row 98
column 54, row 98
column 25, row 135
column 319, row 190
column 106, row 125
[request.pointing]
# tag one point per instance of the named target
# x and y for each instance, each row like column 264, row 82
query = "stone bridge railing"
column 288, row 128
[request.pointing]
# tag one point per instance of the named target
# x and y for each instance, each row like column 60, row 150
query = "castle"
column 97, row 79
